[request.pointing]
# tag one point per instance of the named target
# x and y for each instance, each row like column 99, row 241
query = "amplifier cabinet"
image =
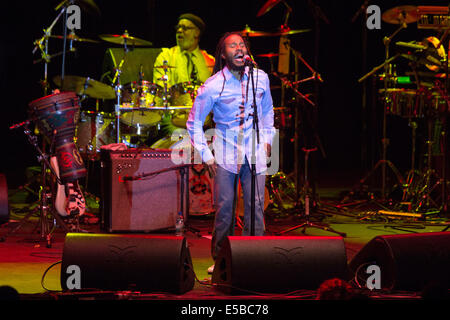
column 145, row 204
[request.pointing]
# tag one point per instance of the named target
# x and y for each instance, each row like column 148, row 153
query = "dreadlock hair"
column 220, row 50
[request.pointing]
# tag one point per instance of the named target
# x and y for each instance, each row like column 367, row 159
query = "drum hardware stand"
column 44, row 49
column 412, row 172
column 307, row 194
column 383, row 162
column 118, row 90
column 44, row 196
column 315, row 76
column 118, row 87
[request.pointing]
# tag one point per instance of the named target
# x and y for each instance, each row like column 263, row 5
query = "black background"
column 339, row 57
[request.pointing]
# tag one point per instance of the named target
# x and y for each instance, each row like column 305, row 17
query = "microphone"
column 248, row 61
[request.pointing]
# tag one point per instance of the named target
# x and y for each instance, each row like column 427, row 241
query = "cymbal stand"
column 384, row 141
column 307, row 200
column 45, row 210
column 165, row 79
column 44, row 50
column 118, row 91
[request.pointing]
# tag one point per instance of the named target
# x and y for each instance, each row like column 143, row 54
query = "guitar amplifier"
column 141, row 190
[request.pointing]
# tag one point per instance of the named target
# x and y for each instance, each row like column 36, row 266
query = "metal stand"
column 307, row 195
column 255, row 131
column 383, row 162
column 45, row 211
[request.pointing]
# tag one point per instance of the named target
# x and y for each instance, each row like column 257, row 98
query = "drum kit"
column 421, row 98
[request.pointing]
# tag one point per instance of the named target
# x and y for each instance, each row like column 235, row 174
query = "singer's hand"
column 268, row 149
column 212, row 166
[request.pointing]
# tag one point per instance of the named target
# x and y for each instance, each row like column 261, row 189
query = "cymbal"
column 88, row 6
column 124, row 38
column 267, row 7
column 289, row 32
column 269, row 55
column 74, row 37
column 248, row 32
column 94, row 89
column 398, row 15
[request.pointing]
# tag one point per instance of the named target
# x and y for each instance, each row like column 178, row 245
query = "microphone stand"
column 255, row 131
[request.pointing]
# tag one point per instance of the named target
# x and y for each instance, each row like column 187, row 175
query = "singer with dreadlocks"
column 228, row 95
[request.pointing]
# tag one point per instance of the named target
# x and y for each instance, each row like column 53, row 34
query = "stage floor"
column 31, row 267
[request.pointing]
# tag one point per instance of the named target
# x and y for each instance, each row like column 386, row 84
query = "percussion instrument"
column 125, row 39
column 85, row 86
column 94, row 130
column 406, row 103
column 138, row 118
column 182, row 94
column 56, row 116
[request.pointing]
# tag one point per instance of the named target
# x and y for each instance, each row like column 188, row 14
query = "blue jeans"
column 225, row 189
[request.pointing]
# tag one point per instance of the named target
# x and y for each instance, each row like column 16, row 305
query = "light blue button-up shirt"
column 231, row 101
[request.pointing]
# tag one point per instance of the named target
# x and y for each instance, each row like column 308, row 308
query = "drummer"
column 187, row 61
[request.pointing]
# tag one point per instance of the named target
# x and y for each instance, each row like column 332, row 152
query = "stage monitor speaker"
column 406, row 261
column 4, row 206
column 144, row 205
column 278, row 264
column 145, row 263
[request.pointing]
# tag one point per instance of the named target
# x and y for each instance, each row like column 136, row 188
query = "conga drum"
column 56, row 117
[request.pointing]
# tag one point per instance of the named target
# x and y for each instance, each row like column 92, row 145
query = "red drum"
column 57, row 116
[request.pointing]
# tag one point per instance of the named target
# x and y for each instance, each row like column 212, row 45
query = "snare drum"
column 95, row 129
